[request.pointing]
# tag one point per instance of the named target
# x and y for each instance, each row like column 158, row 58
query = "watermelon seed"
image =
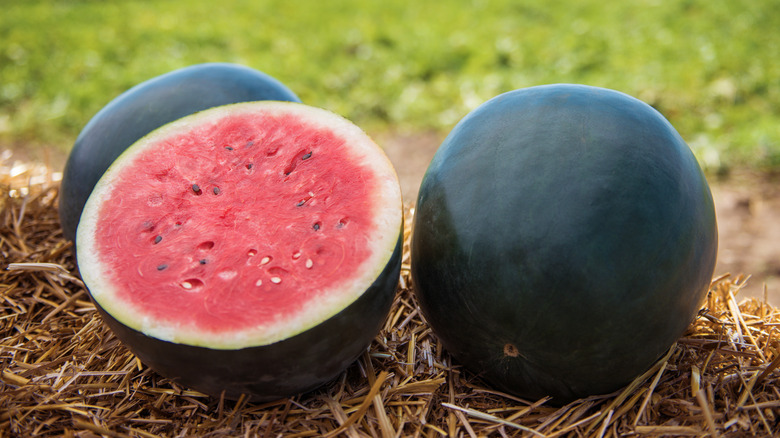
column 296, row 255
column 157, row 239
column 276, row 274
column 203, row 261
column 258, row 282
column 305, row 200
column 252, row 252
column 266, row 260
column 309, row 263
column 249, row 166
column 216, row 190
column 228, row 148
column 342, row 222
column 192, row 283
column 196, row 189
column 293, row 164
column 249, row 143
column 316, row 226
column 162, row 267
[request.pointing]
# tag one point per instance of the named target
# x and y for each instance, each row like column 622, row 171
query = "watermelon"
column 564, row 238
column 145, row 107
column 251, row 248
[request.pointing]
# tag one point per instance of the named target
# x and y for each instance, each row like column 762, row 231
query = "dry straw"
column 65, row 374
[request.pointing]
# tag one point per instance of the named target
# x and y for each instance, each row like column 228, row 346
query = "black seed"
column 158, row 239
column 228, row 148
column 249, row 166
column 216, row 190
column 306, row 157
column 249, row 143
column 162, row 267
column 305, row 200
column 316, row 226
column 203, row 261
column 196, row 188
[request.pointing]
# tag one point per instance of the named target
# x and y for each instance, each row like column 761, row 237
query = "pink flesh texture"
column 280, row 216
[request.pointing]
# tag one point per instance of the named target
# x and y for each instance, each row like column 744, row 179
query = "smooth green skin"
column 564, row 238
column 282, row 369
column 146, row 107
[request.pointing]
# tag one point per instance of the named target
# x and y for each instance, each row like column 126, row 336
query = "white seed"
column 296, row 255
column 276, row 280
column 186, row 285
column 265, row 260
column 259, row 283
column 309, row 263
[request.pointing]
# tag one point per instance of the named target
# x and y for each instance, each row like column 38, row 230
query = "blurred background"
column 407, row 71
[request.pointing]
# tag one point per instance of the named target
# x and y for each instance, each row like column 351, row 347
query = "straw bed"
column 65, row 374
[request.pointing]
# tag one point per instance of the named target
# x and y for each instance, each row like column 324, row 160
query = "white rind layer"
column 387, row 223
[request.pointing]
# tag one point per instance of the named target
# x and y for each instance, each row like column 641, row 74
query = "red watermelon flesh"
column 240, row 226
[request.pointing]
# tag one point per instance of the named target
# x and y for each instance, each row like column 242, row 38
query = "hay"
column 65, row 374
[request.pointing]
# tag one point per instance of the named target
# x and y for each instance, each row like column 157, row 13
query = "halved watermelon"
column 250, row 248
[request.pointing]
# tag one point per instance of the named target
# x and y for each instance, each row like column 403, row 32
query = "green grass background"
column 710, row 66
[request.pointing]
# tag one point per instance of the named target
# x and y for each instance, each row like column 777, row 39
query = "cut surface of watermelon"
column 240, row 226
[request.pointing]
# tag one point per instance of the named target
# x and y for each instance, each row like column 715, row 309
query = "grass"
column 710, row 66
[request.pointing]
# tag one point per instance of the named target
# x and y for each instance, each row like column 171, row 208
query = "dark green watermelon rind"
column 480, row 236
column 145, row 107
column 282, row 369
column 98, row 277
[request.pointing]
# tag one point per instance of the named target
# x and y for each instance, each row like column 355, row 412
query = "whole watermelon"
column 564, row 238
column 145, row 107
